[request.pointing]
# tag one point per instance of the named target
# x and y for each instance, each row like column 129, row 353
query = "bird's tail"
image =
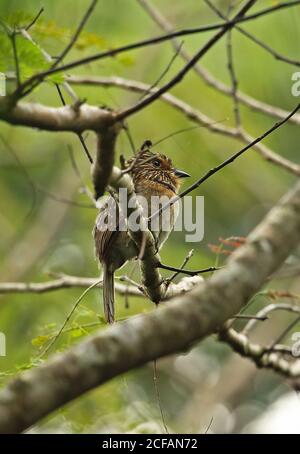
column 108, row 294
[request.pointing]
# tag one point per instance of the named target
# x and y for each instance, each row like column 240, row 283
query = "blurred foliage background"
column 42, row 233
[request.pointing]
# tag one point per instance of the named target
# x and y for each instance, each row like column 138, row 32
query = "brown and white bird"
column 153, row 174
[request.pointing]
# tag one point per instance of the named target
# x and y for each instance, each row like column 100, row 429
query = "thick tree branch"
column 260, row 355
column 66, row 118
column 167, row 330
column 105, row 157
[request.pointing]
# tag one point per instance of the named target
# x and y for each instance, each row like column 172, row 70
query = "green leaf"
column 19, row 19
column 77, row 332
column 39, row 340
column 49, row 29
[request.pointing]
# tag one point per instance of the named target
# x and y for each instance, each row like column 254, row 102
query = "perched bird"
column 153, row 174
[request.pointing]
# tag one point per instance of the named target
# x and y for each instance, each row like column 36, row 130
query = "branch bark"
column 66, row 118
column 62, row 282
column 105, row 158
column 66, row 281
column 167, row 330
column 260, row 354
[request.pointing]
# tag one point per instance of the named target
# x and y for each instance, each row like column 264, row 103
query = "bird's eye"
column 156, row 162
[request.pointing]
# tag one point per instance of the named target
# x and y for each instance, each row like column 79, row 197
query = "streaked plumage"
column 153, row 175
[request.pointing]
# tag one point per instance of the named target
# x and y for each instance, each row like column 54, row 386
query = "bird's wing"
column 106, row 227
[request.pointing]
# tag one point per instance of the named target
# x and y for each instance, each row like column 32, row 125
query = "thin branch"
column 250, row 317
column 188, row 272
column 267, row 310
column 198, row 117
column 42, row 75
column 157, row 392
column 162, row 75
column 65, row 85
column 65, row 281
column 84, row 187
column 207, row 77
column 49, row 59
column 285, row 332
column 262, row 356
column 225, row 163
column 62, row 282
column 234, row 81
column 76, row 34
column 184, row 263
column 257, row 41
column 74, row 307
column 35, row 19
column 91, row 117
column 16, row 58
column 189, row 65
column 85, row 148
column 61, row 199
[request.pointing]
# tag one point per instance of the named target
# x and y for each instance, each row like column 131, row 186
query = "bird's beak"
column 181, row 173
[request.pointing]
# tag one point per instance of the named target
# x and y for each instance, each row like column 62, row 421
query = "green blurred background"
column 40, row 235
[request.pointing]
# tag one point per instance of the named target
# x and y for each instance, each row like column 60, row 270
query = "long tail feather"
column 108, row 294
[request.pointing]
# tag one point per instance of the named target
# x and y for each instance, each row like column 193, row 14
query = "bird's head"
column 156, row 172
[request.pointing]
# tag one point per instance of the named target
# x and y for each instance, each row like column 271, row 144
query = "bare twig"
column 234, row 81
column 65, row 84
column 156, row 387
column 284, row 333
column 84, row 187
column 225, row 163
column 267, row 310
column 188, row 272
column 74, row 307
column 74, row 38
column 260, row 355
column 80, row 137
column 16, row 58
column 34, row 20
column 162, row 75
column 198, row 117
column 49, row 59
column 61, row 199
column 184, row 263
column 207, row 77
column 189, row 65
column 253, row 38
column 62, row 282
